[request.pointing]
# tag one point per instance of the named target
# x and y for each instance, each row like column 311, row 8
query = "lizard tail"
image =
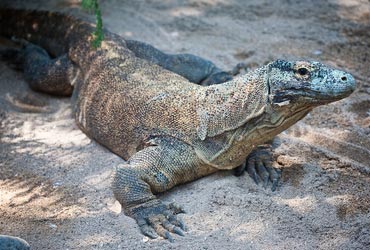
column 55, row 32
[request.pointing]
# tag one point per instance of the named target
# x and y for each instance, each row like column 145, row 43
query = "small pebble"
column 115, row 207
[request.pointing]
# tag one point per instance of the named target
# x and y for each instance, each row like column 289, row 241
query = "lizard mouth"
column 321, row 98
column 312, row 96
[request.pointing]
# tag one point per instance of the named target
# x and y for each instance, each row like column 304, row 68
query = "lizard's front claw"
column 259, row 167
column 159, row 220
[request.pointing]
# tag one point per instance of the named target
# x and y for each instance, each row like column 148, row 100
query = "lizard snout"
column 349, row 80
column 344, row 83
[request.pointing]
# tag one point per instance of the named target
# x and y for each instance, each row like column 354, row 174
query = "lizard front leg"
column 259, row 167
column 157, row 168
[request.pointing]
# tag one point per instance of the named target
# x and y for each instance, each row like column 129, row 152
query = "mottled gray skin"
column 169, row 130
column 13, row 243
column 194, row 68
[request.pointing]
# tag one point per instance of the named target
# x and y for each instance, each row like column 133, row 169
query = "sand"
column 55, row 182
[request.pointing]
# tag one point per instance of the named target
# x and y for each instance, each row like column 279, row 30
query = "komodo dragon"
column 169, row 130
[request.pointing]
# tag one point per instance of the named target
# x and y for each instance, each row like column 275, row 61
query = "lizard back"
column 121, row 100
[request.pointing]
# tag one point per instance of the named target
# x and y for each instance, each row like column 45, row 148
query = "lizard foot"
column 217, row 78
column 259, row 167
column 13, row 57
column 224, row 76
column 239, row 68
column 159, row 219
column 20, row 41
column 14, row 54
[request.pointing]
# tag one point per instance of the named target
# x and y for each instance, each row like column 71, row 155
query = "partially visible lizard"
column 13, row 243
column 169, row 130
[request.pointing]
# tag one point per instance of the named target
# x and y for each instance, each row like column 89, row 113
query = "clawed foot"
column 159, row 220
column 14, row 54
column 224, row 76
column 217, row 78
column 239, row 68
column 259, row 167
column 20, row 41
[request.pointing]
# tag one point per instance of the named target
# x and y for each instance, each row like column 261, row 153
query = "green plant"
column 93, row 5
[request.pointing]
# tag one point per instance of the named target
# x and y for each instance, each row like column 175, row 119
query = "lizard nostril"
column 344, row 78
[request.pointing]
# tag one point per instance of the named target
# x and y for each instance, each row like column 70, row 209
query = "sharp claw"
column 162, row 231
column 274, row 176
column 148, row 231
column 182, row 225
column 256, row 178
column 168, row 236
column 251, row 169
column 177, row 222
column 274, row 184
column 259, row 167
column 160, row 220
column 170, row 226
column 167, row 225
column 178, row 231
column 240, row 170
column 265, row 181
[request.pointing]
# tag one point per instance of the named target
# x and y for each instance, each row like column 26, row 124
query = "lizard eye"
column 303, row 71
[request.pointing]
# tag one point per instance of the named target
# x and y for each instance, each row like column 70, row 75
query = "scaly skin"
column 13, row 243
column 170, row 130
column 193, row 68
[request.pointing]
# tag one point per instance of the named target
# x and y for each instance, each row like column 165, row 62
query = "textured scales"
column 169, row 129
column 13, row 243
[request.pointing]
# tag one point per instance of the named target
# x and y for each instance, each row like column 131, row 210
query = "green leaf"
column 93, row 5
column 89, row 4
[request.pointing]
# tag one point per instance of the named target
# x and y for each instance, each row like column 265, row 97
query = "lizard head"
column 307, row 83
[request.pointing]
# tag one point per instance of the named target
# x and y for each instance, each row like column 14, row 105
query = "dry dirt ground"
column 55, row 182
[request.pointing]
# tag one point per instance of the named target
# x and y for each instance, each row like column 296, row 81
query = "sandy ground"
column 55, row 182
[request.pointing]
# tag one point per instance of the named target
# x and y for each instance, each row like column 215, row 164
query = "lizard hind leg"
column 45, row 74
column 194, row 68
